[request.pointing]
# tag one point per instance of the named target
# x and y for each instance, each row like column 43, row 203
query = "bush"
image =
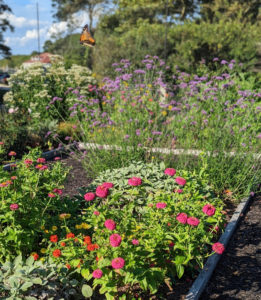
column 144, row 225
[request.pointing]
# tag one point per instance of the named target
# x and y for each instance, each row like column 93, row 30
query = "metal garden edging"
column 205, row 274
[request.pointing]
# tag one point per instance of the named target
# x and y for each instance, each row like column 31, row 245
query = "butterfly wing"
column 86, row 39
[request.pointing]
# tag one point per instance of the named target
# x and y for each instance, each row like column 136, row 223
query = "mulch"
column 238, row 273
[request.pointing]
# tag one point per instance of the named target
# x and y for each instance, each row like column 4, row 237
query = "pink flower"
column 41, row 160
column 179, row 191
column 115, row 240
column 180, row 180
column 110, row 224
column 57, row 158
column 171, row 244
column 96, row 213
column 218, row 248
column 209, row 209
column 57, row 191
column 118, row 263
column 14, row 206
column 89, row 196
column 51, row 195
column 44, row 167
column 135, row 242
column 193, row 221
column 135, row 181
column 108, row 185
column 14, row 177
column 97, row 273
column 182, row 218
column 12, row 153
column 161, row 205
column 28, row 161
column 102, row 191
column 170, row 171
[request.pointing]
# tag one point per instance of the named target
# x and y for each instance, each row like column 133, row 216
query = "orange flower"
column 54, row 238
column 87, row 240
column 70, row 235
column 63, row 244
column 92, row 247
column 68, row 266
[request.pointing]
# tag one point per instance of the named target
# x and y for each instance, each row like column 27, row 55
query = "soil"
column 238, row 273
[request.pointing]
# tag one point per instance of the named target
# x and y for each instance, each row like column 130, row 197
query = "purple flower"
column 139, row 72
column 223, row 62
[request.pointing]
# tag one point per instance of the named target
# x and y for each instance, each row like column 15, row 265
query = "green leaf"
column 87, row 291
column 180, row 270
column 85, row 273
column 30, row 261
column 37, row 281
column 26, row 286
column 18, row 260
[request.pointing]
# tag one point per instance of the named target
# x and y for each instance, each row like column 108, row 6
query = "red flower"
column 54, row 238
column 70, row 235
column 92, row 247
column 35, row 256
column 41, row 160
column 170, row 171
column 12, row 153
column 57, row 191
column 218, row 248
column 68, row 266
column 102, row 191
column 135, row 181
column 57, row 253
column 180, row 180
column 87, row 240
column 51, row 195
column 63, row 244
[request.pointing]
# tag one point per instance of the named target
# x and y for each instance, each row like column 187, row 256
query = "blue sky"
column 24, row 39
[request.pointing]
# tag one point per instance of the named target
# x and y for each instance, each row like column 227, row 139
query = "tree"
column 4, row 25
column 66, row 8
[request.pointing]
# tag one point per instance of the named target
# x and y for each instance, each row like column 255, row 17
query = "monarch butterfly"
column 86, row 39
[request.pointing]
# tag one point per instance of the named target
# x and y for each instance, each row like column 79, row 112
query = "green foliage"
column 28, row 279
column 25, row 204
column 14, row 61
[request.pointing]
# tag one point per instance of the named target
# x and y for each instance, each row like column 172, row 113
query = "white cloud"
column 19, row 22
column 57, row 29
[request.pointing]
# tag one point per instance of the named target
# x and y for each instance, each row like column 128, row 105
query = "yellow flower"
column 54, row 228
column 78, row 226
column 85, row 226
column 164, row 113
column 46, row 231
column 43, row 250
column 42, row 227
column 170, row 107
column 152, row 157
column 64, row 216
column 42, row 259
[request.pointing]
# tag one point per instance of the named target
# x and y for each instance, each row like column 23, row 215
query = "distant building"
column 43, row 58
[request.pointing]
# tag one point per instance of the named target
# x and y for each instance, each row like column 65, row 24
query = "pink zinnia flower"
column 179, row 191
column 41, row 160
column 97, row 273
column 108, row 185
column 12, row 153
column 170, row 171
column 193, row 221
column 102, row 191
column 182, row 218
column 110, row 224
column 28, row 161
column 57, row 191
column 14, row 177
column 161, row 205
column 115, row 240
column 209, row 209
column 118, row 263
column 180, row 180
column 218, row 248
column 135, row 242
column 96, row 213
column 89, row 196
column 135, row 181
column 14, row 206
column 57, row 158
column 51, row 195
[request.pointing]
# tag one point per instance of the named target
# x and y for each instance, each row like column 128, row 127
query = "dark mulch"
column 238, row 273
